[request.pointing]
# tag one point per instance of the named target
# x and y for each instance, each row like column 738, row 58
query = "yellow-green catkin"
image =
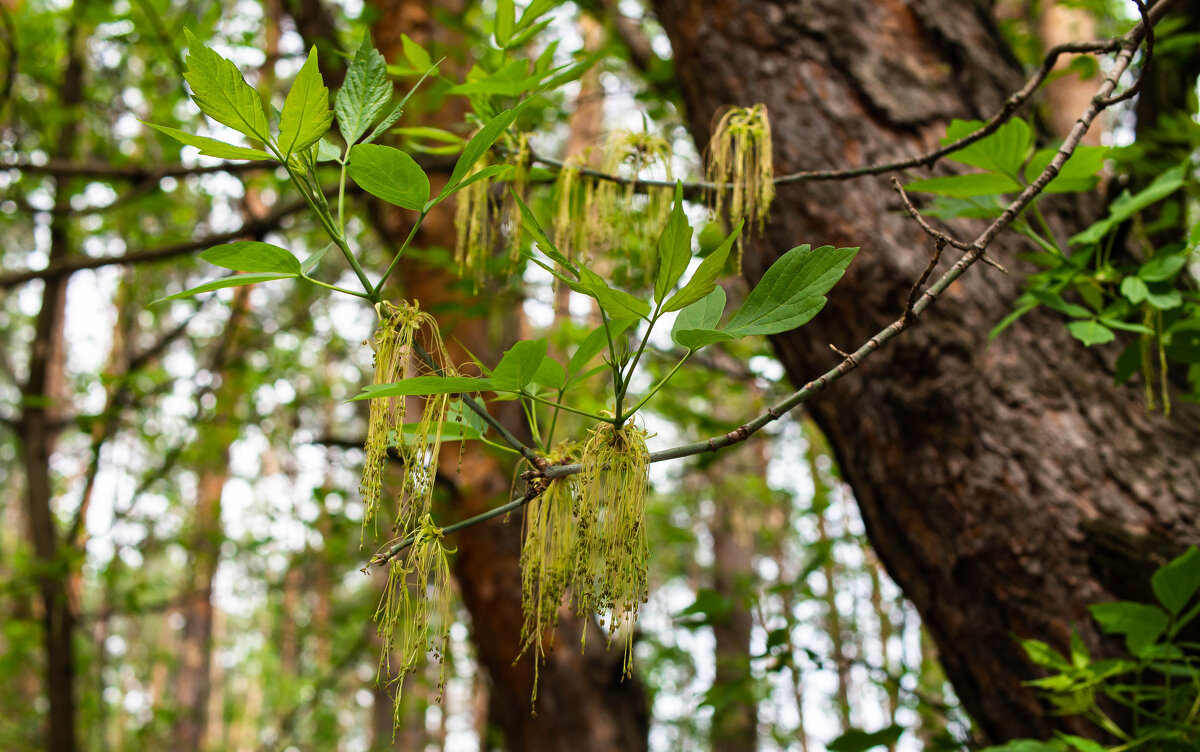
column 739, row 155
column 612, row 554
column 519, row 159
column 547, row 561
column 396, row 360
column 595, row 217
column 414, row 614
column 473, row 225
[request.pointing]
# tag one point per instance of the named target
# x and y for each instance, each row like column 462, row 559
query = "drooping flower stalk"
column 416, row 444
column 414, row 614
column 612, row 553
column 616, row 217
column 740, row 155
column 473, row 223
column 547, row 560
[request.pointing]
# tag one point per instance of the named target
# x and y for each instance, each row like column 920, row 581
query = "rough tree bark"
column 1007, row 486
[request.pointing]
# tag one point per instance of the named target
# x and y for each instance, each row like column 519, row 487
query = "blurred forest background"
column 181, row 564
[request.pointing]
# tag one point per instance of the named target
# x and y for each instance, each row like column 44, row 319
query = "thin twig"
column 927, row 159
column 526, row 451
column 252, row 228
column 914, row 293
column 937, row 235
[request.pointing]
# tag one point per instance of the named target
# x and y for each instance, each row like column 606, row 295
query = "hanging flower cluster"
column 615, row 215
column 739, row 156
column 475, row 217
column 588, row 534
column 414, row 615
column 417, row 444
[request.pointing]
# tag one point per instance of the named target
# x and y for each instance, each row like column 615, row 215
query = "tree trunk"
column 194, row 681
column 42, row 396
column 1005, row 487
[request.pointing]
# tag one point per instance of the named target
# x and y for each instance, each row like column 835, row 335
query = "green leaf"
column 1078, row 174
column 1183, row 342
column 1054, row 300
column 857, row 740
column 306, row 115
column 1128, row 363
column 420, row 386
column 1125, row 326
column 530, row 223
column 327, row 152
column 506, row 17
column 1080, row 744
column 1001, row 152
column 618, row 304
column 432, row 134
column 1090, row 332
column 534, row 11
column 449, row 430
column 1141, row 624
column 694, row 339
column 519, row 365
column 364, row 94
column 674, row 249
column 1043, row 655
column 398, row 110
column 1134, row 289
column 1175, row 583
column 551, row 374
column 1164, row 300
column 252, row 256
column 703, row 314
column 311, row 262
column 696, row 325
column 414, row 53
column 390, row 174
column 211, row 147
column 1080, row 656
column 220, row 92
column 1126, row 204
column 592, row 344
column 962, row 186
column 236, row 280
column 792, row 291
column 478, row 145
column 520, row 38
column 704, row 280
column 499, row 171
column 1162, row 268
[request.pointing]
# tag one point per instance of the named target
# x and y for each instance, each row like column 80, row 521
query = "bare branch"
column 252, row 228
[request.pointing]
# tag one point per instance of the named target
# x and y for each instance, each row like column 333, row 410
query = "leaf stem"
column 335, row 288
column 568, row 408
column 411, row 234
column 662, row 382
column 472, row 405
column 628, row 376
column 327, row 223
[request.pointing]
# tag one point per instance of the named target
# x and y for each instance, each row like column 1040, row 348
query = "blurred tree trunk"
column 1005, row 487
column 738, row 499
column 43, row 396
column 582, row 703
column 194, row 674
